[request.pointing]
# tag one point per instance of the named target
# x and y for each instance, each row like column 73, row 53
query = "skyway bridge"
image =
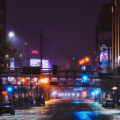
column 64, row 78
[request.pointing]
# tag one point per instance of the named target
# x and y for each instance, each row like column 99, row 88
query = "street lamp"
column 84, row 60
column 87, row 59
column 11, row 38
column 44, row 81
column 11, row 35
column 114, row 88
column 22, row 80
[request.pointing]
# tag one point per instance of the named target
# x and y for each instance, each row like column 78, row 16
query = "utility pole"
column 41, row 48
column 41, row 57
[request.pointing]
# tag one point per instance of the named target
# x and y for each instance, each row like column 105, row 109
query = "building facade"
column 2, row 36
column 2, row 19
column 116, row 34
column 104, row 39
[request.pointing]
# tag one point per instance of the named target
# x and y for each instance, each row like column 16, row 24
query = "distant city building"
column 2, row 19
column 116, row 33
column 104, row 40
column 2, row 36
column 31, row 58
column 74, row 63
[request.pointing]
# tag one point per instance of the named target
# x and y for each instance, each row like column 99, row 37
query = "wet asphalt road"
column 65, row 110
column 78, row 110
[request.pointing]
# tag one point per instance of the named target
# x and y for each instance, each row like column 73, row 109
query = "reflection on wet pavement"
column 85, row 115
column 66, row 110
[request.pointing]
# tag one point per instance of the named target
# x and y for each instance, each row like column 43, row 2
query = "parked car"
column 7, row 107
column 108, row 103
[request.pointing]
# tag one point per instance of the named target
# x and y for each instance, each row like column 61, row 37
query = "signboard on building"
column 12, row 64
column 35, row 52
column 105, row 58
column 37, row 63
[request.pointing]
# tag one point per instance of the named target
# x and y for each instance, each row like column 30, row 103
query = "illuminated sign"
column 36, row 63
column 34, row 51
column 104, row 56
column 12, row 64
column 104, row 51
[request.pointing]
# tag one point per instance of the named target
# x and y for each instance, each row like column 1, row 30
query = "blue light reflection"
column 96, row 103
column 77, row 102
column 85, row 115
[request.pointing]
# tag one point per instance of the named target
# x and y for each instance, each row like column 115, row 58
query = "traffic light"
column 86, row 79
column 9, row 89
column 4, row 92
column 55, row 70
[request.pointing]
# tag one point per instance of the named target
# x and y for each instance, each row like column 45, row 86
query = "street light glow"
column 80, row 62
column 84, row 60
column 85, row 78
column 114, row 88
column 23, row 80
column 11, row 34
column 87, row 59
column 44, row 80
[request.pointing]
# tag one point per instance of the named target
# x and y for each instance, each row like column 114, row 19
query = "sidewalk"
column 26, row 106
column 22, row 107
column 106, row 111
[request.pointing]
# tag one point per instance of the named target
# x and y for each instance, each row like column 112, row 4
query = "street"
column 60, row 60
column 66, row 110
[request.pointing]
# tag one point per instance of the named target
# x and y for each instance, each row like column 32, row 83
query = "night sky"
column 68, row 26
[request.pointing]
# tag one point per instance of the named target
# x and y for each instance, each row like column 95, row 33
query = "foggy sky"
column 68, row 26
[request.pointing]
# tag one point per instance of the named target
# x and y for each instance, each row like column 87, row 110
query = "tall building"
column 104, row 39
column 2, row 36
column 2, row 20
column 116, row 33
column 2, row 32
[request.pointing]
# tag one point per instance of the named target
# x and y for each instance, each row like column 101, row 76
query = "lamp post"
column 11, row 38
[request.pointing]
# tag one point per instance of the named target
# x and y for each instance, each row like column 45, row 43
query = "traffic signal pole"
column 41, row 48
column 41, row 57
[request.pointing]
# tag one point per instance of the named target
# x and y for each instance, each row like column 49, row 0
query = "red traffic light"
column 4, row 92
